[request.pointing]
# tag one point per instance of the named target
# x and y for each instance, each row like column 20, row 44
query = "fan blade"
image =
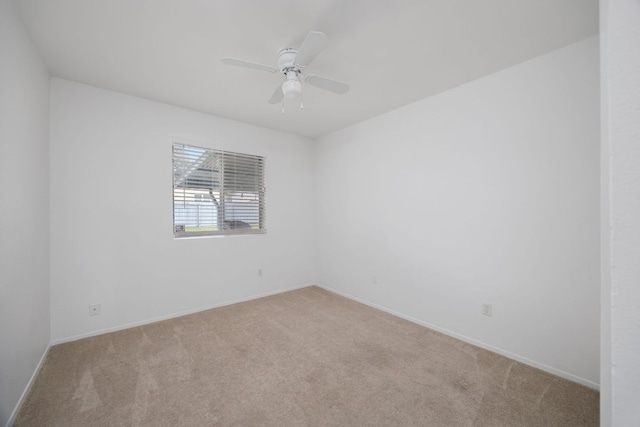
column 247, row 64
column 277, row 96
column 327, row 84
column 311, row 47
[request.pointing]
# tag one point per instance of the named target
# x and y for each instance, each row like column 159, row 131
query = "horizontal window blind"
column 217, row 192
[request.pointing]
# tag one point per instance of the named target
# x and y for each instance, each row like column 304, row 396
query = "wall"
column 111, row 214
column 24, row 210
column 621, row 203
column 486, row 193
column 605, row 272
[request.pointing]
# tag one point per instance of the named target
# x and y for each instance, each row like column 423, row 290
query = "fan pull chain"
column 283, row 106
column 301, row 92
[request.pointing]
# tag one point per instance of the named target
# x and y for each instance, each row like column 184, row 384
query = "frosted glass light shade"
column 291, row 88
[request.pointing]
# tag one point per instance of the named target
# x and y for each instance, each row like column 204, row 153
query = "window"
column 217, row 192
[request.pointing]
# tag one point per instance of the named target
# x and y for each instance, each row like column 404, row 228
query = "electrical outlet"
column 259, row 272
column 487, row 309
column 94, row 309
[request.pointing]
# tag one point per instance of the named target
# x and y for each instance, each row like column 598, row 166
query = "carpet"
column 301, row 358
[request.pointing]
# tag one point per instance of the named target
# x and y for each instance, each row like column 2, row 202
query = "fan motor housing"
column 286, row 59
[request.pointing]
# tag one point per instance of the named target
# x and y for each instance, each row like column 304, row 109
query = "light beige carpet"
column 302, row 358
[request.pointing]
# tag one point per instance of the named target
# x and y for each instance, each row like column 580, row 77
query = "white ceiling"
column 391, row 52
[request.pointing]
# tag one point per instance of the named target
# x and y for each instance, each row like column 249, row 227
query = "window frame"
column 262, row 229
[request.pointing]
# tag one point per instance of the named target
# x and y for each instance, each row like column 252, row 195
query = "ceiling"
column 390, row 52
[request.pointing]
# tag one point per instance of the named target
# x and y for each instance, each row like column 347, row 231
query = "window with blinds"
column 217, row 192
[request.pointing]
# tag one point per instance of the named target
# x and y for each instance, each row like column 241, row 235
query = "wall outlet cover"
column 94, row 309
column 487, row 309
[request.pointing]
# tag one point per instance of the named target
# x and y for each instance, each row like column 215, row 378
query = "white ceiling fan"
column 291, row 63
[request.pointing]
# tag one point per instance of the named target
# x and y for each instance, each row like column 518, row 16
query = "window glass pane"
column 216, row 192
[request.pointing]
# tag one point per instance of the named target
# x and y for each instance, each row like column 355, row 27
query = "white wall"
column 111, row 213
column 24, row 210
column 605, row 232
column 619, row 23
column 486, row 193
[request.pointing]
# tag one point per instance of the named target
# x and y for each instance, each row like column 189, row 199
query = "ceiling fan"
column 291, row 63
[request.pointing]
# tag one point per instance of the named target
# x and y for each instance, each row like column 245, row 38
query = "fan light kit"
column 291, row 63
column 292, row 87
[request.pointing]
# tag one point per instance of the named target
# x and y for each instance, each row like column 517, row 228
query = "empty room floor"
column 301, row 358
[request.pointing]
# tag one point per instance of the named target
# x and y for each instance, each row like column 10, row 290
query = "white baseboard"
column 477, row 343
column 24, row 394
column 173, row 315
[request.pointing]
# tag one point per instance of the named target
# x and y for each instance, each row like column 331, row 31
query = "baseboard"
column 445, row 331
column 526, row 361
column 16, row 409
column 173, row 315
